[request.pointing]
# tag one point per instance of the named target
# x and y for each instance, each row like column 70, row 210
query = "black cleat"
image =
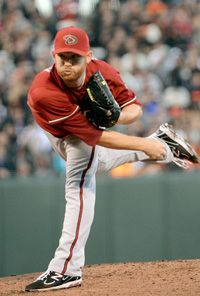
column 53, row 281
column 182, row 151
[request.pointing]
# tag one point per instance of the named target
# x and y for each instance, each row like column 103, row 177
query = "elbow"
column 130, row 114
column 140, row 113
column 137, row 115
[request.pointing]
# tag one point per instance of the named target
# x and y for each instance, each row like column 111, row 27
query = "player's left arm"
column 129, row 114
column 131, row 108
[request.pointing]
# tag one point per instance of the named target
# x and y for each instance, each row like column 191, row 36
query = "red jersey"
column 55, row 107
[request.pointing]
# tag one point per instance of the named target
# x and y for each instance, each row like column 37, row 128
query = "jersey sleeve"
column 61, row 121
column 121, row 93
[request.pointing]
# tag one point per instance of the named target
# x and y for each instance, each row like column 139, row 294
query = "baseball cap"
column 71, row 39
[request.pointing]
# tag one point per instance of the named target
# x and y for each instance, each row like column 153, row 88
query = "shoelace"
column 43, row 275
column 49, row 273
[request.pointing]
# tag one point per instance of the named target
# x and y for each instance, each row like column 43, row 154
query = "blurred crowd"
column 154, row 44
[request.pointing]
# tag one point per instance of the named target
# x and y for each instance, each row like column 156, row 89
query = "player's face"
column 71, row 66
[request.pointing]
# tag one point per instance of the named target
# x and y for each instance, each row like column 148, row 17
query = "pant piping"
column 80, row 212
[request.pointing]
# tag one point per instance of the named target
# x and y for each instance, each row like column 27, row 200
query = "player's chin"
column 68, row 75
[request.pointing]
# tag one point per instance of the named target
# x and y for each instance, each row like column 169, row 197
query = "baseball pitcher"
column 75, row 102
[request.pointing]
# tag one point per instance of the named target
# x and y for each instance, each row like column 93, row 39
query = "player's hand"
column 155, row 149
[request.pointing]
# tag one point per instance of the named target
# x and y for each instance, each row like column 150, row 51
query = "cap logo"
column 70, row 39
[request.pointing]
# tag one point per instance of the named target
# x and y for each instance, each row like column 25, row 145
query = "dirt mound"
column 169, row 278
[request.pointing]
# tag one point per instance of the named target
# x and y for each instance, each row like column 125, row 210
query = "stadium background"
column 154, row 44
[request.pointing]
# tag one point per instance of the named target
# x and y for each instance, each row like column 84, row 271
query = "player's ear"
column 89, row 57
column 53, row 54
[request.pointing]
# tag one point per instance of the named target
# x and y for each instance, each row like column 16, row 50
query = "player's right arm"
column 115, row 140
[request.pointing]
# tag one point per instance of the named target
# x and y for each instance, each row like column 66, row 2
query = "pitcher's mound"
column 169, row 278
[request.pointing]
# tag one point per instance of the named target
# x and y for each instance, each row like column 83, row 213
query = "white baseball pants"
column 83, row 161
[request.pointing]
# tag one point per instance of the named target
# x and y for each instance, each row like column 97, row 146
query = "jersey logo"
column 70, row 39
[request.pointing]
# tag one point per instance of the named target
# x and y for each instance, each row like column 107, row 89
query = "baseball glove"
column 100, row 106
